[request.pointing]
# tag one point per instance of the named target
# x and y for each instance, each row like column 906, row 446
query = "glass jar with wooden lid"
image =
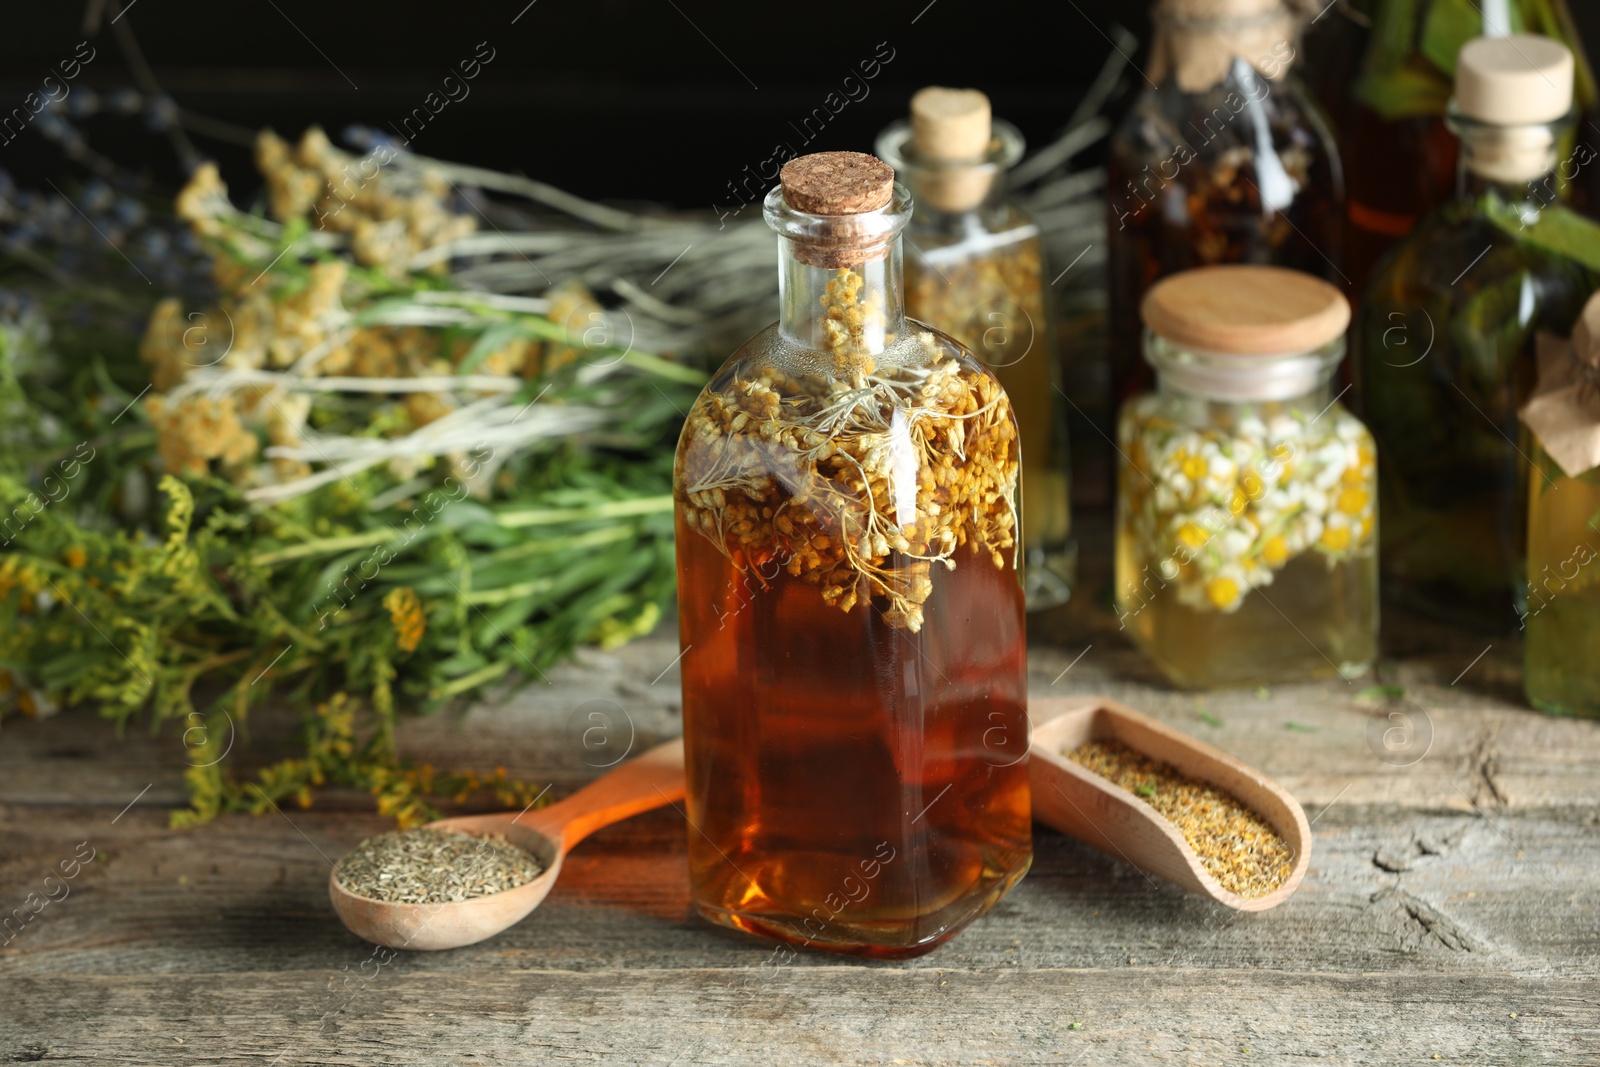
column 1246, row 512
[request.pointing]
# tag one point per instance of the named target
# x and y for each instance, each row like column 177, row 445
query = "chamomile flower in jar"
column 1247, row 495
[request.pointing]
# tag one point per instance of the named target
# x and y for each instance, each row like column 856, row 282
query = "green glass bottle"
column 1386, row 88
column 1448, row 330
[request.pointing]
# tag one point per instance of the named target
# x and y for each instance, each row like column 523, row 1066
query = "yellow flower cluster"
column 262, row 324
column 1219, row 510
column 405, row 613
column 389, row 217
column 197, row 429
column 856, row 485
column 851, row 323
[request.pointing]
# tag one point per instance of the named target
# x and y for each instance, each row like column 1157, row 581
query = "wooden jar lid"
column 1246, row 310
column 837, row 183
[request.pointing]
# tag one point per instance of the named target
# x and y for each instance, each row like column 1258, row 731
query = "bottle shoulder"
column 774, row 356
column 1457, row 253
column 994, row 229
column 1229, row 116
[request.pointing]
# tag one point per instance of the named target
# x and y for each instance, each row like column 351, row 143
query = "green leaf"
column 1403, row 93
column 1450, row 24
column 1382, row 692
column 1557, row 229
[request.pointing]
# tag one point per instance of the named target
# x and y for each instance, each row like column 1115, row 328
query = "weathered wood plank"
column 412, row 1014
column 1510, row 894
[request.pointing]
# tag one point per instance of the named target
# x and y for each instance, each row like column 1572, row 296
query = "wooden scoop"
column 1078, row 802
column 646, row 782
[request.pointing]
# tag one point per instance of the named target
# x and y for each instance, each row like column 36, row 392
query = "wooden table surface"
column 1451, row 913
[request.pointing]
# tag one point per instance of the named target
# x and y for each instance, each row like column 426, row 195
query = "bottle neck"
column 952, row 196
column 1515, row 164
column 846, row 305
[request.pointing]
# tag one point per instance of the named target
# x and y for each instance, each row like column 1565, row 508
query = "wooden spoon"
column 1076, row 801
column 643, row 783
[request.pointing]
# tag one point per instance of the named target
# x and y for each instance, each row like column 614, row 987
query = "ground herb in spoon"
column 1236, row 846
column 428, row 866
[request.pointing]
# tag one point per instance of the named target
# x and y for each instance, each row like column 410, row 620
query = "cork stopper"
column 952, row 132
column 950, row 125
column 838, row 209
column 1200, row 39
column 1246, row 310
column 1514, row 81
column 837, row 183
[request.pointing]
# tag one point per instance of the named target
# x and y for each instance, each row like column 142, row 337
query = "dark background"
column 664, row 100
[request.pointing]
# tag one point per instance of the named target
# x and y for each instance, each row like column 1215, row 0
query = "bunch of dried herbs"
column 355, row 487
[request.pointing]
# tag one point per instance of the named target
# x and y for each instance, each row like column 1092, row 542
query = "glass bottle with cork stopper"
column 1224, row 159
column 1246, row 510
column 974, row 268
column 1387, row 94
column 1562, row 620
column 850, row 608
column 1447, row 337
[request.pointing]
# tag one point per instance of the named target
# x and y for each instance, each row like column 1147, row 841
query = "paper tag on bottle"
column 1564, row 411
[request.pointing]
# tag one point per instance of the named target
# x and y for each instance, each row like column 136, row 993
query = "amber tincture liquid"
column 855, row 788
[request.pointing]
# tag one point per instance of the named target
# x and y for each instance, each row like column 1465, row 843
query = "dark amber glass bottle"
column 1388, row 95
column 1224, row 159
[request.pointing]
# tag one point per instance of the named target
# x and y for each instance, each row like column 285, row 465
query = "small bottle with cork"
column 1448, row 334
column 1246, row 504
column 1223, row 159
column 974, row 268
column 850, row 607
column 1562, row 620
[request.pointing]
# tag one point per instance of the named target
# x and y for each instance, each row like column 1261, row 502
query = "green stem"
column 616, row 509
column 324, row 545
column 507, row 592
column 646, row 505
column 475, row 679
column 665, row 368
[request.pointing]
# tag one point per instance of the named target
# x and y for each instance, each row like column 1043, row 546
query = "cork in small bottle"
column 951, row 133
column 1199, row 40
column 1519, row 86
column 839, row 184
